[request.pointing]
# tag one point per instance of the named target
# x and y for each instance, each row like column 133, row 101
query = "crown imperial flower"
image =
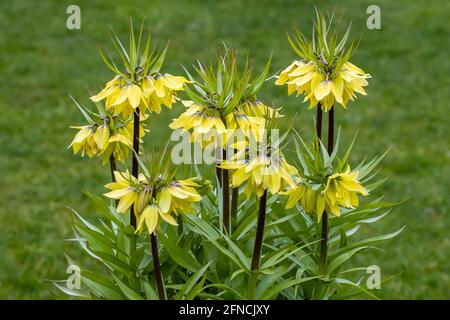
column 340, row 190
column 262, row 172
column 153, row 199
column 323, row 75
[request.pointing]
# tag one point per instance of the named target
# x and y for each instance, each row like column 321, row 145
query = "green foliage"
column 227, row 83
column 199, row 261
column 326, row 48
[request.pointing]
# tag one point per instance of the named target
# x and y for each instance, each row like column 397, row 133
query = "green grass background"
column 407, row 108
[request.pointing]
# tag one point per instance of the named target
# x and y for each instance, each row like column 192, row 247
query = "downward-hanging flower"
column 204, row 121
column 342, row 190
column 207, row 126
column 105, row 135
column 150, row 92
column 125, row 189
column 120, row 141
column 307, row 79
column 84, row 141
column 178, row 196
column 323, row 75
column 154, row 200
column 250, row 118
column 262, row 172
column 339, row 190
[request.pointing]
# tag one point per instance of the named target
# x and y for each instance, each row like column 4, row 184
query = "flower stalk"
column 112, row 166
column 226, row 197
column 319, row 122
column 135, row 164
column 257, row 248
column 234, row 202
column 157, row 267
column 324, row 233
column 259, row 232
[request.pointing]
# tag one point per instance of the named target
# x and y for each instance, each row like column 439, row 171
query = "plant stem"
column 319, row 121
column 112, row 166
column 256, row 257
column 330, row 131
column 323, row 244
column 324, row 234
column 234, row 202
column 219, row 175
column 135, row 164
column 259, row 232
column 157, row 268
column 226, row 197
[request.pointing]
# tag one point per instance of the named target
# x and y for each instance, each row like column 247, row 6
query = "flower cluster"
column 323, row 74
column 340, row 189
column 207, row 126
column 204, row 121
column 153, row 198
column 264, row 171
column 148, row 92
column 140, row 84
column 338, row 85
column 110, row 136
column 224, row 102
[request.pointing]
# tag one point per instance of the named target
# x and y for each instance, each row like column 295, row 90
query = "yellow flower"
column 341, row 190
column 178, row 196
column 327, row 88
column 284, row 76
column 101, row 136
column 123, row 96
column 120, row 142
column 260, row 110
column 310, row 200
column 205, row 123
column 150, row 216
column 125, row 189
column 175, row 197
column 85, row 141
column 208, row 127
column 153, row 199
column 261, row 173
column 244, row 125
column 162, row 90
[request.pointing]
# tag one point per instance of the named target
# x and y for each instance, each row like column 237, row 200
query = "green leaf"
column 150, row 293
column 365, row 242
column 282, row 285
column 127, row 291
column 187, row 287
column 179, row 255
column 158, row 64
column 84, row 112
column 342, row 294
column 340, row 259
column 101, row 286
column 71, row 292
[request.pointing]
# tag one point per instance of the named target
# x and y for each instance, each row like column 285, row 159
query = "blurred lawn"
column 406, row 108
